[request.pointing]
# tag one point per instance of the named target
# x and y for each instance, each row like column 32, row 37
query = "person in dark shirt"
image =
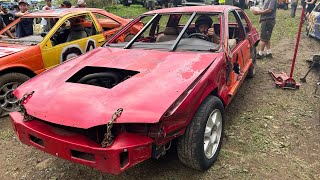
column 3, row 25
column 311, row 4
column 65, row 4
column 204, row 26
column 267, row 20
column 6, row 16
column 25, row 26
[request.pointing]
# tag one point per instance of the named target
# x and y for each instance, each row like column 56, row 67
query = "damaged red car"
column 126, row 102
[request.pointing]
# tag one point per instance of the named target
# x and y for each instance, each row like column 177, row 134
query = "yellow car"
column 57, row 35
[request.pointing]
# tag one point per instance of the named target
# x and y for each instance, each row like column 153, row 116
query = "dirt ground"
column 271, row 134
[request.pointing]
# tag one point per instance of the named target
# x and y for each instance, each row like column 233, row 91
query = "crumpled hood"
column 145, row 97
column 7, row 49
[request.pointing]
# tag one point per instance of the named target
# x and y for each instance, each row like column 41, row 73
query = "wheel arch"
column 22, row 70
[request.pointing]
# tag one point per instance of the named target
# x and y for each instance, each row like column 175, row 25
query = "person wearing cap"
column 6, row 16
column 25, row 26
column 204, row 26
column 65, row 4
column 81, row 4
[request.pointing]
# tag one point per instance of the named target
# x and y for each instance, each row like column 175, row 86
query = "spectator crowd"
column 25, row 26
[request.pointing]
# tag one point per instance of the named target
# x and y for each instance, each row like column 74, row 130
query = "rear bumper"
column 127, row 149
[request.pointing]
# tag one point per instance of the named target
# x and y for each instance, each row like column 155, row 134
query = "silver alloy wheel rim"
column 212, row 134
column 8, row 102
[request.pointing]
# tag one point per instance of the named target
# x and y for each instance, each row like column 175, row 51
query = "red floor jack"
column 282, row 80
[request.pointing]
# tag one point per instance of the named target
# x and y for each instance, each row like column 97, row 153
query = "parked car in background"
column 313, row 25
column 121, row 104
column 67, row 33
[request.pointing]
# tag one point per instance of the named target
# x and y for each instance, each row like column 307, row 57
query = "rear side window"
column 106, row 22
column 244, row 21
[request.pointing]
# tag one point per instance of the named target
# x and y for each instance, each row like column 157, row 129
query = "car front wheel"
column 199, row 147
column 9, row 82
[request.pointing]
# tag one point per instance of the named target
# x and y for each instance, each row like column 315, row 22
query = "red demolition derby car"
column 124, row 103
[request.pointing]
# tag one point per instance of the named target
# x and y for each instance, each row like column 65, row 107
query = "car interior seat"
column 169, row 33
column 77, row 32
column 232, row 43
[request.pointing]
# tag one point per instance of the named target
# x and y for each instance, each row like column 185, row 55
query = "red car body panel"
column 26, row 57
column 71, row 146
column 7, row 49
column 139, row 108
column 163, row 96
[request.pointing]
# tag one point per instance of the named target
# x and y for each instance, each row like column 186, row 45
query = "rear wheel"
column 9, row 82
column 199, row 147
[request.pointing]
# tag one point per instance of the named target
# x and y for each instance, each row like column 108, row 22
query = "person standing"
column 25, row 26
column 294, row 4
column 3, row 25
column 311, row 4
column 65, row 4
column 48, row 5
column 81, row 4
column 267, row 20
column 43, row 22
column 242, row 4
column 6, row 16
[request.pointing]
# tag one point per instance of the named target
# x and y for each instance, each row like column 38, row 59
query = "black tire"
column 191, row 145
column 102, row 79
column 7, row 80
column 252, row 70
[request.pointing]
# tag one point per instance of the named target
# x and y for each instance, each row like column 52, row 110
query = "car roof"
column 191, row 9
column 61, row 12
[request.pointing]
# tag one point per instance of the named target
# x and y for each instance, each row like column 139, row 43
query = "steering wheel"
column 199, row 36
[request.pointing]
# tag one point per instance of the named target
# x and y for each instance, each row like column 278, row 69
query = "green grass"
column 126, row 12
column 285, row 28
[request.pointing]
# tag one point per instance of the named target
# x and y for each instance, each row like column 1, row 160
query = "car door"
column 70, row 37
column 239, row 46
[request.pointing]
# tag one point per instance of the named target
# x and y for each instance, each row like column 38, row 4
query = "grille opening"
column 82, row 155
column 101, row 76
column 96, row 134
column 124, row 159
column 36, row 140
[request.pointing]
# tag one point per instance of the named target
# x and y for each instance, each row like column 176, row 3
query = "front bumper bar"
column 127, row 149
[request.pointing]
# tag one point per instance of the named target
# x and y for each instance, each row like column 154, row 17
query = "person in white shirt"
column 48, row 6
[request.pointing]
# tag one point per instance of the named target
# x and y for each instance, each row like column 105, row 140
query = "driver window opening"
column 236, row 30
column 73, row 29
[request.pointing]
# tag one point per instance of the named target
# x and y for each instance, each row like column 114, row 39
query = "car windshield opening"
column 174, row 32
